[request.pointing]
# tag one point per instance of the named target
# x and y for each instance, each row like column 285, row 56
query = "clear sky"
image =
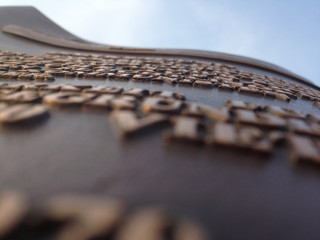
column 283, row 32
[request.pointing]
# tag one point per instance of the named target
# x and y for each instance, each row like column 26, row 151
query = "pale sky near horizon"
column 282, row 32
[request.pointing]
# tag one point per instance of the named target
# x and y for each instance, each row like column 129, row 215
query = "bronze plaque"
column 107, row 142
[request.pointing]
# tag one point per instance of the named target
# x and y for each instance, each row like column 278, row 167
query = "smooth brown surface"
column 236, row 195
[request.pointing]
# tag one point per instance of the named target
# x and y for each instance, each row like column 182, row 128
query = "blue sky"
column 283, row 32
